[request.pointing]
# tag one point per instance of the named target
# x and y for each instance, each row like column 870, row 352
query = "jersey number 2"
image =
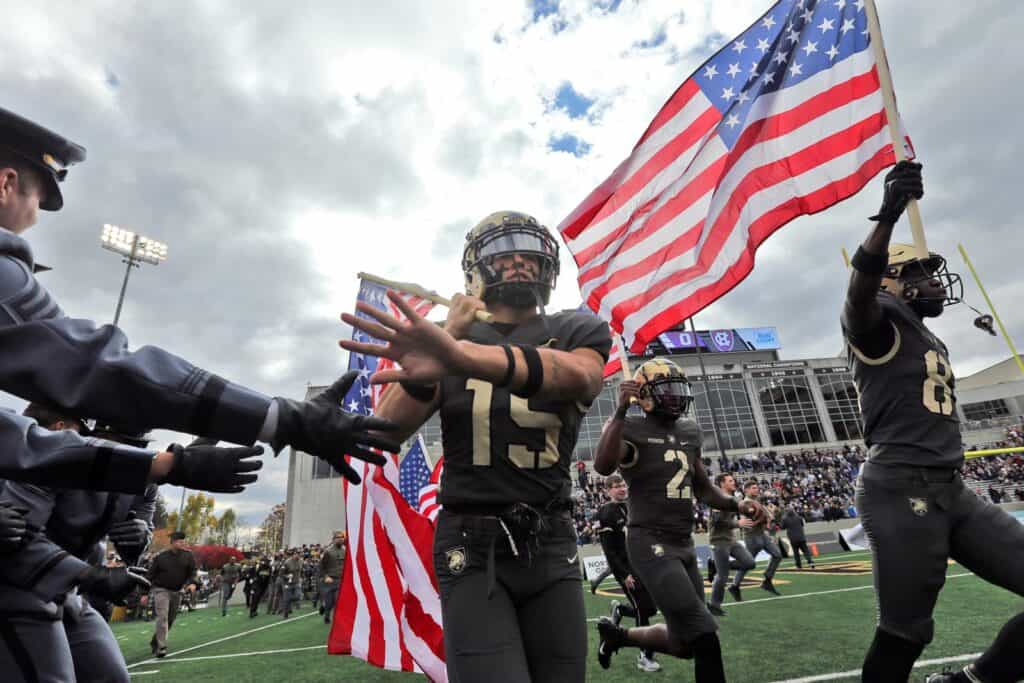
column 519, row 410
column 675, row 488
column 938, row 395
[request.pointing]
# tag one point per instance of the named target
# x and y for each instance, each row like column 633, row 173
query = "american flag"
column 785, row 120
column 614, row 364
column 418, row 482
column 388, row 611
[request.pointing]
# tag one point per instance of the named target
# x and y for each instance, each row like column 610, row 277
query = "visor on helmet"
column 672, row 395
column 516, row 239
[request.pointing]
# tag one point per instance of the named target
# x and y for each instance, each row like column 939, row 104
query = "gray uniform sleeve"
column 88, row 370
column 29, row 453
column 144, row 506
column 41, row 566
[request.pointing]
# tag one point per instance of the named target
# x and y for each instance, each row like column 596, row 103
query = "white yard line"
column 144, row 673
column 153, row 660
column 245, row 654
column 732, row 605
column 840, row 675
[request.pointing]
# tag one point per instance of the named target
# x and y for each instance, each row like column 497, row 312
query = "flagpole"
column 991, row 307
column 893, row 117
column 627, row 373
column 707, row 390
column 846, row 257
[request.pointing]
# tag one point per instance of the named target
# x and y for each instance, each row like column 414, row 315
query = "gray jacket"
column 66, row 528
column 88, row 370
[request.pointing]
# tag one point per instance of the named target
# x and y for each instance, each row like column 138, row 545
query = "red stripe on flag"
column 680, row 98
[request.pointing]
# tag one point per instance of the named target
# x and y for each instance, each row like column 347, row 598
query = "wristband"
column 868, row 263
column 534, row 371
column 510, row 371
column 424, row 393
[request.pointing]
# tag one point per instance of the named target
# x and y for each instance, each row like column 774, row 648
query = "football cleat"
column 611, row 638
column 616, row 612
column 735, row 592
column 716, row 610
column 647, row 665
column 947, row 676
column 664, row 388
column 770, row 587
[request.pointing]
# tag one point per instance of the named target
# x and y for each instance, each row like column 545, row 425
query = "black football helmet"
column 906, row 270
column 501, row 234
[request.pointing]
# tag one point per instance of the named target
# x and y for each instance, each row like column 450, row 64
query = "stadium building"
column 761, row 402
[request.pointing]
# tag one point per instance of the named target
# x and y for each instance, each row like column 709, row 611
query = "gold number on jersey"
column 518, row 454
column 675, row 488
column 938, row 395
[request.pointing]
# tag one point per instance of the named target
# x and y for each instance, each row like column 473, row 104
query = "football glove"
column 112, row 583
column 209, row 468
column 902, row 184
column 12, row 527
column 320, row 427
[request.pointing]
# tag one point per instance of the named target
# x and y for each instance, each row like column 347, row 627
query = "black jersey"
column 907, row 397
column 500, row 448
column 612, row 518
column 658, row 468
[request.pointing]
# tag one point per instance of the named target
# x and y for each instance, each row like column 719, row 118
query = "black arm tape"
column 424, row 393
column 868, row 263
column 511, row 371
column 534, row 371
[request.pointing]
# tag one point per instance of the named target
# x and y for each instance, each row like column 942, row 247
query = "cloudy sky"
column 279, row 148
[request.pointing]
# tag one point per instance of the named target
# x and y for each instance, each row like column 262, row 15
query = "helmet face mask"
column 506, row 234
column 664, row 389
column 906, row 273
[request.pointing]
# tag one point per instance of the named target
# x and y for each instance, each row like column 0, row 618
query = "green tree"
column 196, row 518
column 272, row 530
column 224, row 527
column 160, row 513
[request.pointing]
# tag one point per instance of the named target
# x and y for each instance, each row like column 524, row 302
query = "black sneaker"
column 321, row 610
column 161, row 653
column 327, row 619
column 946, row 676
column 770, row 587
column 716, row 610
column 735, row 592
column 611, row 638
column 152, row 645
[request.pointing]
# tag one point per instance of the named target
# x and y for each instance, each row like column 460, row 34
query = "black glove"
column 209, row 468
column 320, row 427
column 131, row 537
column 12, row 527
column 112, row 583
column 902, row 184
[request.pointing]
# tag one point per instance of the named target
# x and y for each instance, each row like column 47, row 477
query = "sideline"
column 839, row 675
column 245, row 654
column 154, row 660
column 733, row 605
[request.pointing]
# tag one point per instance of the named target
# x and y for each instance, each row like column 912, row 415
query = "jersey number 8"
column 519, row 410
column 938, row 394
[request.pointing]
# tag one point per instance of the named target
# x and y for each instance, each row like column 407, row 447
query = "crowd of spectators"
column 1000, row 477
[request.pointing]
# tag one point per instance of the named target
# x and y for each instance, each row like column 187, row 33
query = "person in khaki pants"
column 171, row 571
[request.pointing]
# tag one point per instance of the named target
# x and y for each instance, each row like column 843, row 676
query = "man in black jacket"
column 793, row 523
column 172, row 570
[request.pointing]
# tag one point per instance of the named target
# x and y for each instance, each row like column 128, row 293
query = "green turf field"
column 821, row 626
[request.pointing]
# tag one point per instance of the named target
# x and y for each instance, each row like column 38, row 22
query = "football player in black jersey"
column 612, row 518
column 914, row 506
column 512, row 394
column 659, row 457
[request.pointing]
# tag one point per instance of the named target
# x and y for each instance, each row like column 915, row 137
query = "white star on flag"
column 809, row 48
column 826, row 25
column 710, row 71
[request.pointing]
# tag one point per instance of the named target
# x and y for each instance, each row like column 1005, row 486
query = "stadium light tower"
column 135, row 249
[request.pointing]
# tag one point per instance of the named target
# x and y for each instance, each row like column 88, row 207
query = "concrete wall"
column 315, row 507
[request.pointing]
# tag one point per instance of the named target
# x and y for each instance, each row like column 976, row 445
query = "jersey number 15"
column 519, row 410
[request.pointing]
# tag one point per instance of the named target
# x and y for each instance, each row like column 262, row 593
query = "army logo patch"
column 456, row 558
column 658, row 550
column 919, row 506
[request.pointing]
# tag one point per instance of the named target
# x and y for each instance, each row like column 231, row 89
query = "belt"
column 553, row 507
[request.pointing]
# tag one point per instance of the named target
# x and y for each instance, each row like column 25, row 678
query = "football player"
column 512, row 394
column 914, row 506
column 659, row 457
column 612, row 517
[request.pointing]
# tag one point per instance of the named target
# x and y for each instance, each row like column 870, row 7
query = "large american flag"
column 388, row 611
column 785, row 120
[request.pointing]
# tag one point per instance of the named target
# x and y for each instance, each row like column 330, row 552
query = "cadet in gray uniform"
column 659, row 456
column 85, row 369
column 291, row 581
column 229, row 574
column 332, row 564
column 915, row 508
column 50, row 632
column 757, row 539
column 728, row 554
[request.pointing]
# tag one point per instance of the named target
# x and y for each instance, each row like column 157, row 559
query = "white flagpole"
column 893, row 116
column 627, row 373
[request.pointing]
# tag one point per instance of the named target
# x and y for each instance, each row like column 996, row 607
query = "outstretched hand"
column 425, row 352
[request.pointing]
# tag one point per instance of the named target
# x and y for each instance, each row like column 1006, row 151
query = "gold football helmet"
column 664, row 388
column 505, row 233
column 905, row 270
